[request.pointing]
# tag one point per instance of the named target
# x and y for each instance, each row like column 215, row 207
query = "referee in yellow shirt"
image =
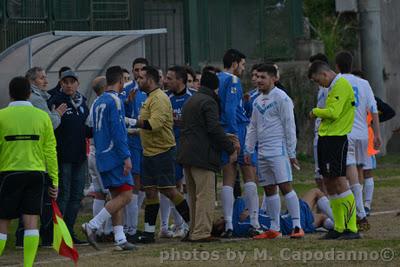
column 158, row 166
column 336, row 122
column 27, row 150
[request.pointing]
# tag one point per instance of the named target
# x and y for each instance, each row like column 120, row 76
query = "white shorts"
column 95, row 175
column 274, row 170
column 371, row 163
column 316, row 168
column 357, row 152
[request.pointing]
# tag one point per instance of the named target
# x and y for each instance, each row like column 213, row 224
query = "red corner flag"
column 62, row 241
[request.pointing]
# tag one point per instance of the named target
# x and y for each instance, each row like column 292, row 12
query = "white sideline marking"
column 384, row 212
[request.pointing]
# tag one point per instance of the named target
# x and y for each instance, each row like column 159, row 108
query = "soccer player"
column 357, row 155
column 336, row 122
column 321, row 99
column 179, row 93
column 234, row 121
column 133, row 102
column 273, row 129
column 28, row 151
column 253, row 93
column 112, row 159
column 156, row 135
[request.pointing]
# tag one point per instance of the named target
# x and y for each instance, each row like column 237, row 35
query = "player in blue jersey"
column 112, row 159
column 310, row 220
column 234, row 120
column 176, row 81
column 250, row 96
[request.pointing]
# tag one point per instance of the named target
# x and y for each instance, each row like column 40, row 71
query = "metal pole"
column 371, row 44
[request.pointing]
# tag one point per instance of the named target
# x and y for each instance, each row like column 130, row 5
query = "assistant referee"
column 27, row 151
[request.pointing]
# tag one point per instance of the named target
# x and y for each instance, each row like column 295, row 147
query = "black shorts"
column 159, row 170
column 21, row 192
column 332, row 153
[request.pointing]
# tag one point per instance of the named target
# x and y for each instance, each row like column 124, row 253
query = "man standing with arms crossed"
column 336, row 122
column 234, row 121
column 112, row 159
column 28, row 150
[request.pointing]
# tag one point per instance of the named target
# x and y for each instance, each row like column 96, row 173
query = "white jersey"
column 321, row 103
column 272, row 125
column 364, row 102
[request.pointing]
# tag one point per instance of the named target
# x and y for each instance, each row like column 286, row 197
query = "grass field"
column 379, row 247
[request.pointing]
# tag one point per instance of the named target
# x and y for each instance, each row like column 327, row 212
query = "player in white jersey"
column 321, row 100
column 357, row 154
column 273, row 129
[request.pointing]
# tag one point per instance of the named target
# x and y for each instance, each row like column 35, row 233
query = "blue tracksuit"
column 132, row 110
column 110, row 139
column 177, row 102
column 248, row 105
column 241, row 229
column 233, row 115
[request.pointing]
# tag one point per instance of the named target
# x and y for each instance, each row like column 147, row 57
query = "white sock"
column 141, row 197
column 131, row 215
column 31, row 232
column 264, row 203
column 292, row 203
column 186, row 196
column 98, row 204
column 250, row 189
column 119, row 235
column 274, row 208
column 3, row 236
column 368, row 191
column 164, row 211
column 178, row 220
column 99, row 219
column 227, row 205
column 328, row 224
column 357, row 191
column 108, row 227
column 324, row 205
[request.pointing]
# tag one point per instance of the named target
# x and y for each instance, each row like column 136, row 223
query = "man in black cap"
column 201, row 142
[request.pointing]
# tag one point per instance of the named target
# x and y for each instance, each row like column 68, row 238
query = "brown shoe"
column 205, row 240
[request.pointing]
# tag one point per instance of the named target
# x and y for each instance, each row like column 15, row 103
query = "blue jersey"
column 177, row 102
column 132, row 108
column 241, row 229
column 233, row 114
column 109, row 132
column 248, row 104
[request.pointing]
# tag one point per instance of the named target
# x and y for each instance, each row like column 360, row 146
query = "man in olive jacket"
column 201, row 143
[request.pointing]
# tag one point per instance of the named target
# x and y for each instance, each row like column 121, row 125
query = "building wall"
column 391, row 57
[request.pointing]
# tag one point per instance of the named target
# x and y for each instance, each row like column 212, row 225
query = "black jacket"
column 202, row 137
column 71, row 134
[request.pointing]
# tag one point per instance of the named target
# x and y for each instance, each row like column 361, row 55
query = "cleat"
column 367, row 211
column 349, row 235
column 270, row 234
column 145, row 238
column 297, row 233
column 254, row 231
column 125, row 247
column 331, row 235
column 165, row 234
column 180, row 232
column 90, row 235
column 363, row 225
column 227, row 234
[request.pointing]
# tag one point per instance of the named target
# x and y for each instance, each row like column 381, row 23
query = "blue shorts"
column 242, row 139
column 115, row 177
column 136, row 157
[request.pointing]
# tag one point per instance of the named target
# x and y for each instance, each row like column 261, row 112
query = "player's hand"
column 235, row 140
column 233, row 157
column 61, row 109
column 311, row 115
column 53, row 192
column 295, row 163
column 247, row 159
column 127, row 166
column 132, row 95
column 377, row 142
